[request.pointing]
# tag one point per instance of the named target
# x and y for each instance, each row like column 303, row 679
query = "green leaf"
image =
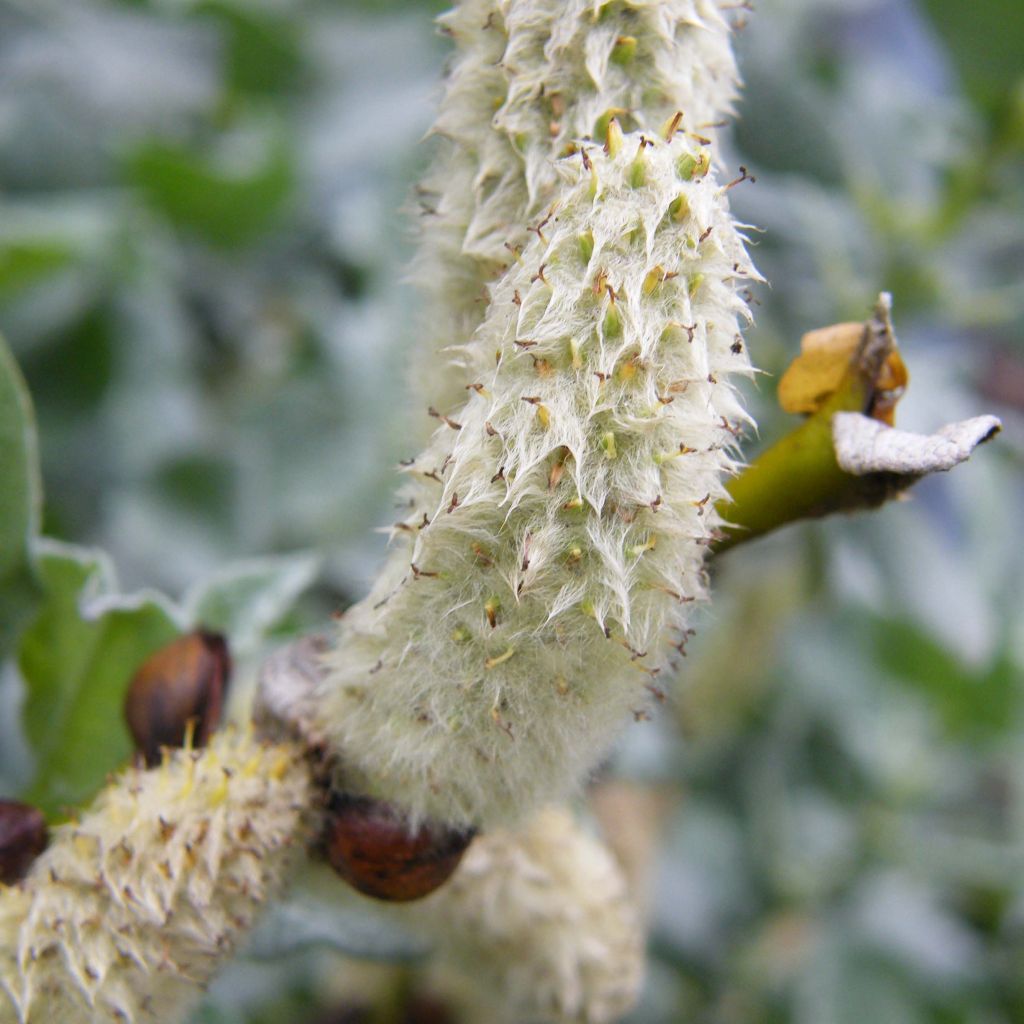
column 77, row 658
column 263, row 54
column 227, row 206
column 247, row 599
column 23, row 263
column 973, row 703
column 20, row 500
column 87, row 641
column 984, row 40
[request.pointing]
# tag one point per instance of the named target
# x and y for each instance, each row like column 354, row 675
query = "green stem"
column 798, row 476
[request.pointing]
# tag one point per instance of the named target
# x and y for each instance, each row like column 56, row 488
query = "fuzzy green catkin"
column 556, row 530
column 132, row 909
column 538, row 925
column 529, row 81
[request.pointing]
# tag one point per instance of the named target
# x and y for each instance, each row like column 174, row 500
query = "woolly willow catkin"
column 529, row 80
column 538, row 925
column 133, row 908
column 557, row 527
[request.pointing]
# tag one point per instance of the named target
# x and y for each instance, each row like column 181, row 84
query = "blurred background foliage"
column 203, row 232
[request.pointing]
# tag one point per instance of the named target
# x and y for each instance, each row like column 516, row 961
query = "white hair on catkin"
column 528, row 82
column 557, row 525
column 134, row 907
column 538, row 925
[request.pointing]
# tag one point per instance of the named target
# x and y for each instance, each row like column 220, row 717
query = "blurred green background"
column 203, row 237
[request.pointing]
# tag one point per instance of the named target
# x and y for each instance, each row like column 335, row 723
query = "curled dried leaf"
column 864, row 446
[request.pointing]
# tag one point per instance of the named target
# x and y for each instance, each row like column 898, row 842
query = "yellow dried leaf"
column 824, row 359
column 818, row 370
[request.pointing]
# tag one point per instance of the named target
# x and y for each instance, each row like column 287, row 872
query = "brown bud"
column 22, row 839
column 179, row 684
column 419, row 1009
column 369, row 843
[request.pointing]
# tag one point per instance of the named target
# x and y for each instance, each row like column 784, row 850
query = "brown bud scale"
column 370, row 845
column 22, row 838
column 183, row 682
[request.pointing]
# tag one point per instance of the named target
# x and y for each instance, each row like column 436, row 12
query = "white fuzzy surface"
column 556, row 524
column 538, row 925
column 529, row 80
column 131, row 910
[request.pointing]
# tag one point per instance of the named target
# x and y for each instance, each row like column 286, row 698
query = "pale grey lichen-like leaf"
column 864, row 445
